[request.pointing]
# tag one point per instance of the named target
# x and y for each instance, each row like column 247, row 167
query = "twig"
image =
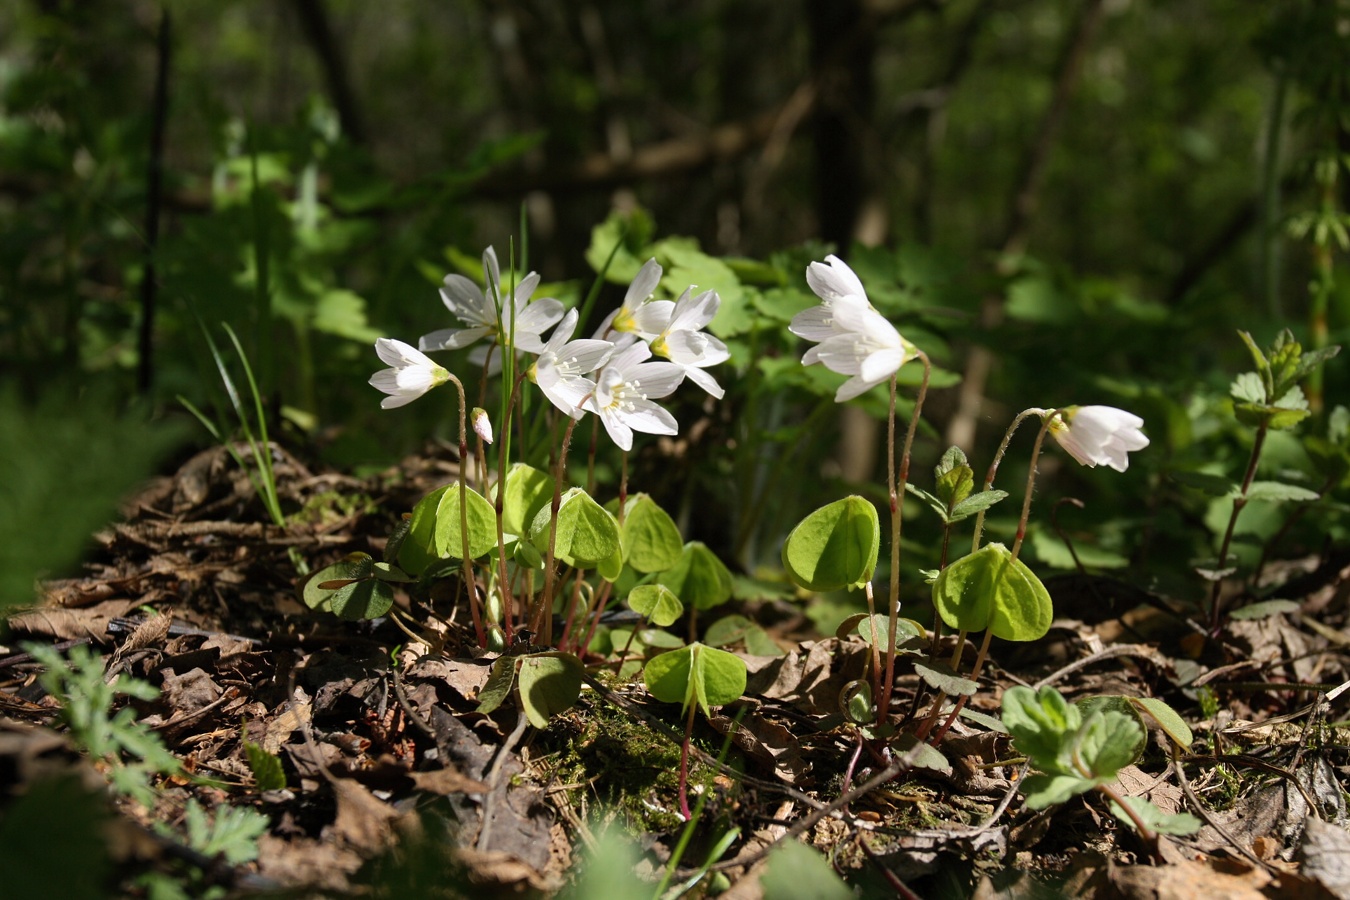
column 494, row 774
column 1140, row 651
column 1212, row 822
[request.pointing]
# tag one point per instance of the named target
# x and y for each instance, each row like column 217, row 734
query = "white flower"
column 521, row 322
column 624, row 392
column 852, row 337
column 1099, row 435
column 639, row 297
column 412, row 375
column 563, row 364
column 679, row 336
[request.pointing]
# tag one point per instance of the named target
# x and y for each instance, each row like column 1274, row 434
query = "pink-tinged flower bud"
column 482, row 425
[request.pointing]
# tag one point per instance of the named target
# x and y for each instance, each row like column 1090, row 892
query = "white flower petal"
column 644, row 284
column 833, row 279
column 705, row 381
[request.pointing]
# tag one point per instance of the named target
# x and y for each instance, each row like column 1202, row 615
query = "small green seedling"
column 1077, row 753
column 698, row 677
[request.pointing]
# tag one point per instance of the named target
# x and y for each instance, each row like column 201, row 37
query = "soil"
column 396, row 784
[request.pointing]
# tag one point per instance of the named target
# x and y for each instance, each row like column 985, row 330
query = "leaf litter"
column 386, row 765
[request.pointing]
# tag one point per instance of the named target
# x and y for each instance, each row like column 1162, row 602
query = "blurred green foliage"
column 326, row 163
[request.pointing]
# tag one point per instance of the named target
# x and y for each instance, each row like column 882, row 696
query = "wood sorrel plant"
column 521, row 541
column 837, row 546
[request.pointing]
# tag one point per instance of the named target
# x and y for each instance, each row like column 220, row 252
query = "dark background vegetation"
column 1094, row 193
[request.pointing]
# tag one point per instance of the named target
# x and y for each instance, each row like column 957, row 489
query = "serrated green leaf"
column 955, row 485
column 550, row 683
column 268, row 774
column 699, row 579
column 834, row 547
column 976, row 503
column 1249, row 388
column 934, row 502
column 1278, row 492
column 657, row 602
column 1156, row 819
column 1048, row 790
column 1041, row 723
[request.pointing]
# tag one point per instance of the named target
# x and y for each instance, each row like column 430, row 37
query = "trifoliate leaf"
column 989, row 589
column 699, row 578
column 696, row 674
column 587, row 533
column 528, row 490
column 942, row 677
column 1108, row 742
column 482, row 519
column 657, row 602
column 976, row 503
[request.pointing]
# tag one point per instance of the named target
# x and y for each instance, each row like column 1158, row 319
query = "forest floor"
column 396, row 785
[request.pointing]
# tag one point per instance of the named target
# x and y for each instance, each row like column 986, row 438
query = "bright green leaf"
column 834, row 547
column 528, row 490
column 449, row 540
column 989, row 589
column 651, row 542
column 699, row 579
column 587, row 533
column 696, row 674
column 549, row 684
column 657, row 602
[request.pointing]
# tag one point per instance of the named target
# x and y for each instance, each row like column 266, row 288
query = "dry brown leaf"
column 71, row 624
column 363, row 820
column 447, row 781
column 1326, row 856
column 1211, row 879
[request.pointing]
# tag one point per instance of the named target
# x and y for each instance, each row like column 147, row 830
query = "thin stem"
column 1239, row 502
column 470, row 582
column 543, row 615
column 993, row 468
column 499, row 507
column 896, row 484
column 975, row 671
column 1031, row 484
column 684, row 763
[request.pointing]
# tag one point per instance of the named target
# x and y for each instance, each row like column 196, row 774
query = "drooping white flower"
column 852, row 337
column 678, row 336
column 1099, row 435
column 412, row 374
column 639, row 297
column 563, row 364
column 522, row 322
column 625, row 390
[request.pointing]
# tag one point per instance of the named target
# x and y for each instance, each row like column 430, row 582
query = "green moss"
column 333, row 506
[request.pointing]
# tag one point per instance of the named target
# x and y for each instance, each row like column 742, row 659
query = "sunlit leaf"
column 834, row 547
